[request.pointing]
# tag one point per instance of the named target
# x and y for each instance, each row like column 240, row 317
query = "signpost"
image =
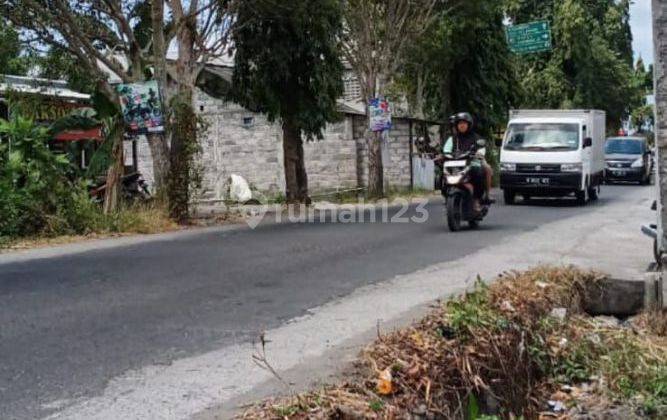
column 141, row 107
column 380, row 115
column 529, row 38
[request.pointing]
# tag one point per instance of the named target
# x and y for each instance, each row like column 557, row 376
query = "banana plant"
column 106, row 158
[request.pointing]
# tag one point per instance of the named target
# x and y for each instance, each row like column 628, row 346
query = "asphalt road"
column 69, row 324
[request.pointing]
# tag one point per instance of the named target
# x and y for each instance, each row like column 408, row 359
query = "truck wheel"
column 582, row 197
column 509, row 197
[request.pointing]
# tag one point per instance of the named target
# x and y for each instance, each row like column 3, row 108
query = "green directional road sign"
column 530, row 37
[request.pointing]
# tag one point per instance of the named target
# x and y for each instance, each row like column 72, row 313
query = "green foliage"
column 12, row 61
column 287, row 60
column 376, row 405
column 83, row 119
column 642, row 114
column 59, row 64
column 473, row 411
column 37, row 195
column 286, row 411
column 591, row 63
column 42, row 195
column 473, row 312
column 466, row 65
column 630, row 370
column 643, row 118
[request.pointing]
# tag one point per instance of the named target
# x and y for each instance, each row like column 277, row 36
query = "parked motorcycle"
column 458, row 189
column 134, row 188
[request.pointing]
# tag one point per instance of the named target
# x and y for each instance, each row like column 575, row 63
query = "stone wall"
column 144, row 158
column 395, row 153
column 238, row 141
column 331, row 163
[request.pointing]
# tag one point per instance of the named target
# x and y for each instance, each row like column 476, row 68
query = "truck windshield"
column 543, row 137
column 624, row 147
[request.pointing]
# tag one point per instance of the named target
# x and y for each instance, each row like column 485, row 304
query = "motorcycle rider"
column 465, row 139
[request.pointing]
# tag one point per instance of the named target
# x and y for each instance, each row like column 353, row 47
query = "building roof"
column 351, row 107
column 38, row 86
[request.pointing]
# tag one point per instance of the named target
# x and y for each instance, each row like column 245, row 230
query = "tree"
column 591, row 63
column 376, row 39
column 97, row 35
column 464, row 65
column 642, row 114
column 58, row 64
column 288, row 66
column 643, row 118
column 12, row 61
column 129, row 39
column 201, row 31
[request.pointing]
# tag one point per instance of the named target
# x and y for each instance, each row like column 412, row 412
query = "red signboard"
column 76, row 135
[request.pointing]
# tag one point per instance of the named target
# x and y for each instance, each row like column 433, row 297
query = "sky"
column 642, row 30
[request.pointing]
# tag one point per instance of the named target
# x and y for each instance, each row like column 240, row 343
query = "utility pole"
column 660, row 89
column 654, row 290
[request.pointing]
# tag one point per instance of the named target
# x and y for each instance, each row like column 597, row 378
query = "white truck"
column 553, row 153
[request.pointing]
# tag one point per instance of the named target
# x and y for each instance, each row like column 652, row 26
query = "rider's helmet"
column 463, row 116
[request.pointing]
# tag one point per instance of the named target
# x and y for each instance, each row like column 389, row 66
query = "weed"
column 286, row 411
column 376, row 405
column 474, row 312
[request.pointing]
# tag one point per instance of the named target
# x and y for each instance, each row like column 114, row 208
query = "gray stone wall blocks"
column 238, row 141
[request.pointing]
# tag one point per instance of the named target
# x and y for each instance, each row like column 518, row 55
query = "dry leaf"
column 385, row 385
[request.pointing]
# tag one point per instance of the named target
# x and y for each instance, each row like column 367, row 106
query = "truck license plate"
column 538, row 181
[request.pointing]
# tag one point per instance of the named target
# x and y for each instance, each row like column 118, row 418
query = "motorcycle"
column 134, row 188
column 651, row 230
column 457, row 189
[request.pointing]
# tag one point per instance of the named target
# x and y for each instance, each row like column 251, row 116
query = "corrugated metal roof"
column 34, row 85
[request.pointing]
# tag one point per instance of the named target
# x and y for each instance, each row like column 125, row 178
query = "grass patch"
column 140, row 219
column 149, row 218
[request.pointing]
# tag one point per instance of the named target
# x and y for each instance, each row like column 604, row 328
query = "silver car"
column 628, row 159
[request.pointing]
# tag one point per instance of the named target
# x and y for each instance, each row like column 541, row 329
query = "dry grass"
column 654, row 322
column 145, row 219
column 497, row 349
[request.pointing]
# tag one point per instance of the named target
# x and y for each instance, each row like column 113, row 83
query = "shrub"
column 37, row 194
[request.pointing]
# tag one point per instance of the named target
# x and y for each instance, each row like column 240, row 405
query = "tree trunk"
column 419, row 94
column 302, row 176
column 184, row 135
column 115, row 171
column 445, row 96
column 296, row 178
column 160, row 154
column 159, row 143
column 375, row 166
column 184, row 130
column 375, row 87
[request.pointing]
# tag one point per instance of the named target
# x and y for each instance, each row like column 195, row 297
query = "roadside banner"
column 379, row 111
column 141, row 107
